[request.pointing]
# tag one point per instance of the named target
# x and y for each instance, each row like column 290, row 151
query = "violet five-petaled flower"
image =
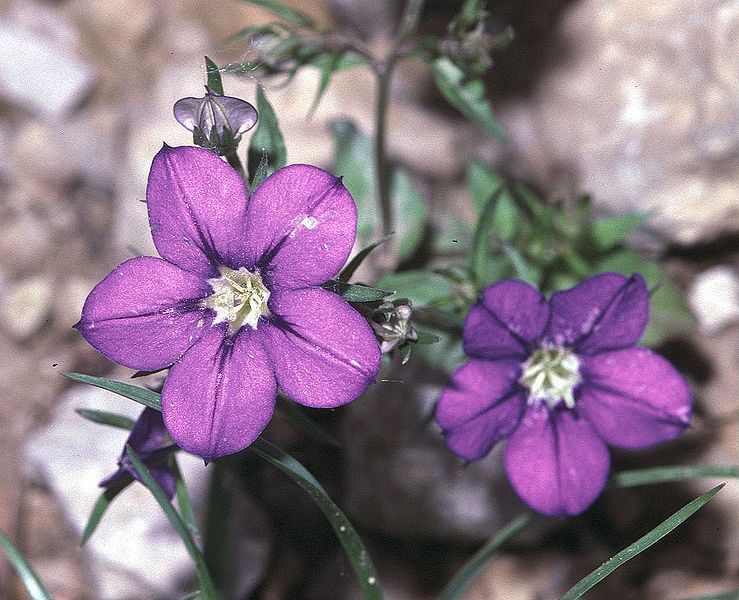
column 235, row 304
column 150, row 441
column 561, row 379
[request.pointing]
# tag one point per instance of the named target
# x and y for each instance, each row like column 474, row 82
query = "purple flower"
column 561, row 379
column 235, row 304
column 150, row 441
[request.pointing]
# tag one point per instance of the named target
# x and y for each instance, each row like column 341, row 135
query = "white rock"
column 26, row 305
column 40, row 75
column 134, row 541
column 714, row 298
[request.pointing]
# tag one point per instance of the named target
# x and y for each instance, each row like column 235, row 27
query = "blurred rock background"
column 634, row 102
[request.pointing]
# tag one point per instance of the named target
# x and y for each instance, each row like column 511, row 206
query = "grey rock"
column 71, row 456
column 39, row 74
column 714, row 298
column 26, row 305
column 644, row 112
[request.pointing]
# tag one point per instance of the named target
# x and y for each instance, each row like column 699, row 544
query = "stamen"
column 239, row 298
column 551, row 375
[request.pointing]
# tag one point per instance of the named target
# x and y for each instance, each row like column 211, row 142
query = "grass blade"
column 104, row 417
column 183, row 499
column 667, row 474
column 730, row 595
column 102, row 504
column 353, row 292
column 481, row 238
column 35, row 588
column 206, row 584
column 464, row 577
column 355, row 550
column 644, row 542
column 354, row 263
column 132, row 392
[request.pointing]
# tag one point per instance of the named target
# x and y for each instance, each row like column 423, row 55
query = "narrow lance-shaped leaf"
column 206, row 584
column 481, row 240
column 132, row 392
column 644, row 542
column 34, row 587
column 464, row 577
column 352, row 292
column 102, row 504
column 667, row 474
column 355, row 262
column 327, row 68
column 106, row 418
column 214, row 76
column 468, row 97
column 353, row 546
column 266, row 139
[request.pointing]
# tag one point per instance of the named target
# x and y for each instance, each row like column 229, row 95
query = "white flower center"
column 551, row 375
column 239, row 298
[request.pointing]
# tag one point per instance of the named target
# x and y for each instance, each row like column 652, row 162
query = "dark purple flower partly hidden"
column 235, row 303
column 150, row 441
column 561, row 380
column 217, row 122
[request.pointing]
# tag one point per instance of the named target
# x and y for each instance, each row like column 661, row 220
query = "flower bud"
column 217, row 122
column 392, row 324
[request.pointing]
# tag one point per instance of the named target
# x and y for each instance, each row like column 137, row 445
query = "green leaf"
column 106, row 418
column 354, row 161
column 608, row 232
column 266, row 139
column 481, row 239
column 411, row 213
column 206, row 584
column 304, row 423
column 521, row 267
column 482, row 181
column 464, row 577
column 730, row 595
column 669, row 315
column 132, row 392
column 424, row 337
column 353, row 546
column 327, row 68
column 284, row 12
column 644, row 542
column 422, row 288
column 355, row 262
column 34, row 587
column 468, row 97
column 665, row 474
column 446, row 355
column 102, row 504
column 183, row 499
column 354, row 292
column 214, row 76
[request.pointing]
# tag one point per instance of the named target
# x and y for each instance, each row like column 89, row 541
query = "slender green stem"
column 408, row 24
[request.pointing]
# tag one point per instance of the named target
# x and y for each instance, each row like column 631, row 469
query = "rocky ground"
column 635, row 102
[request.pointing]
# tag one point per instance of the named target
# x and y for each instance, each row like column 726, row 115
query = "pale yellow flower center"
column 551, row 375
column 239, row 298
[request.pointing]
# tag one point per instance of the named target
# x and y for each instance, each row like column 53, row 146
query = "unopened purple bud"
column 217, row 122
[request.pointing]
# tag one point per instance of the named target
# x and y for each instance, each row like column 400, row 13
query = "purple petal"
column 220, row 396
column 323, row 351
column 148, row 433
column 145, row 313
column 556, row 462
column 301, row 226
column 633, row 397
column 197, row 210
column 164, row 476
column 509, row 317
column 604, row 312
column 481, row 404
